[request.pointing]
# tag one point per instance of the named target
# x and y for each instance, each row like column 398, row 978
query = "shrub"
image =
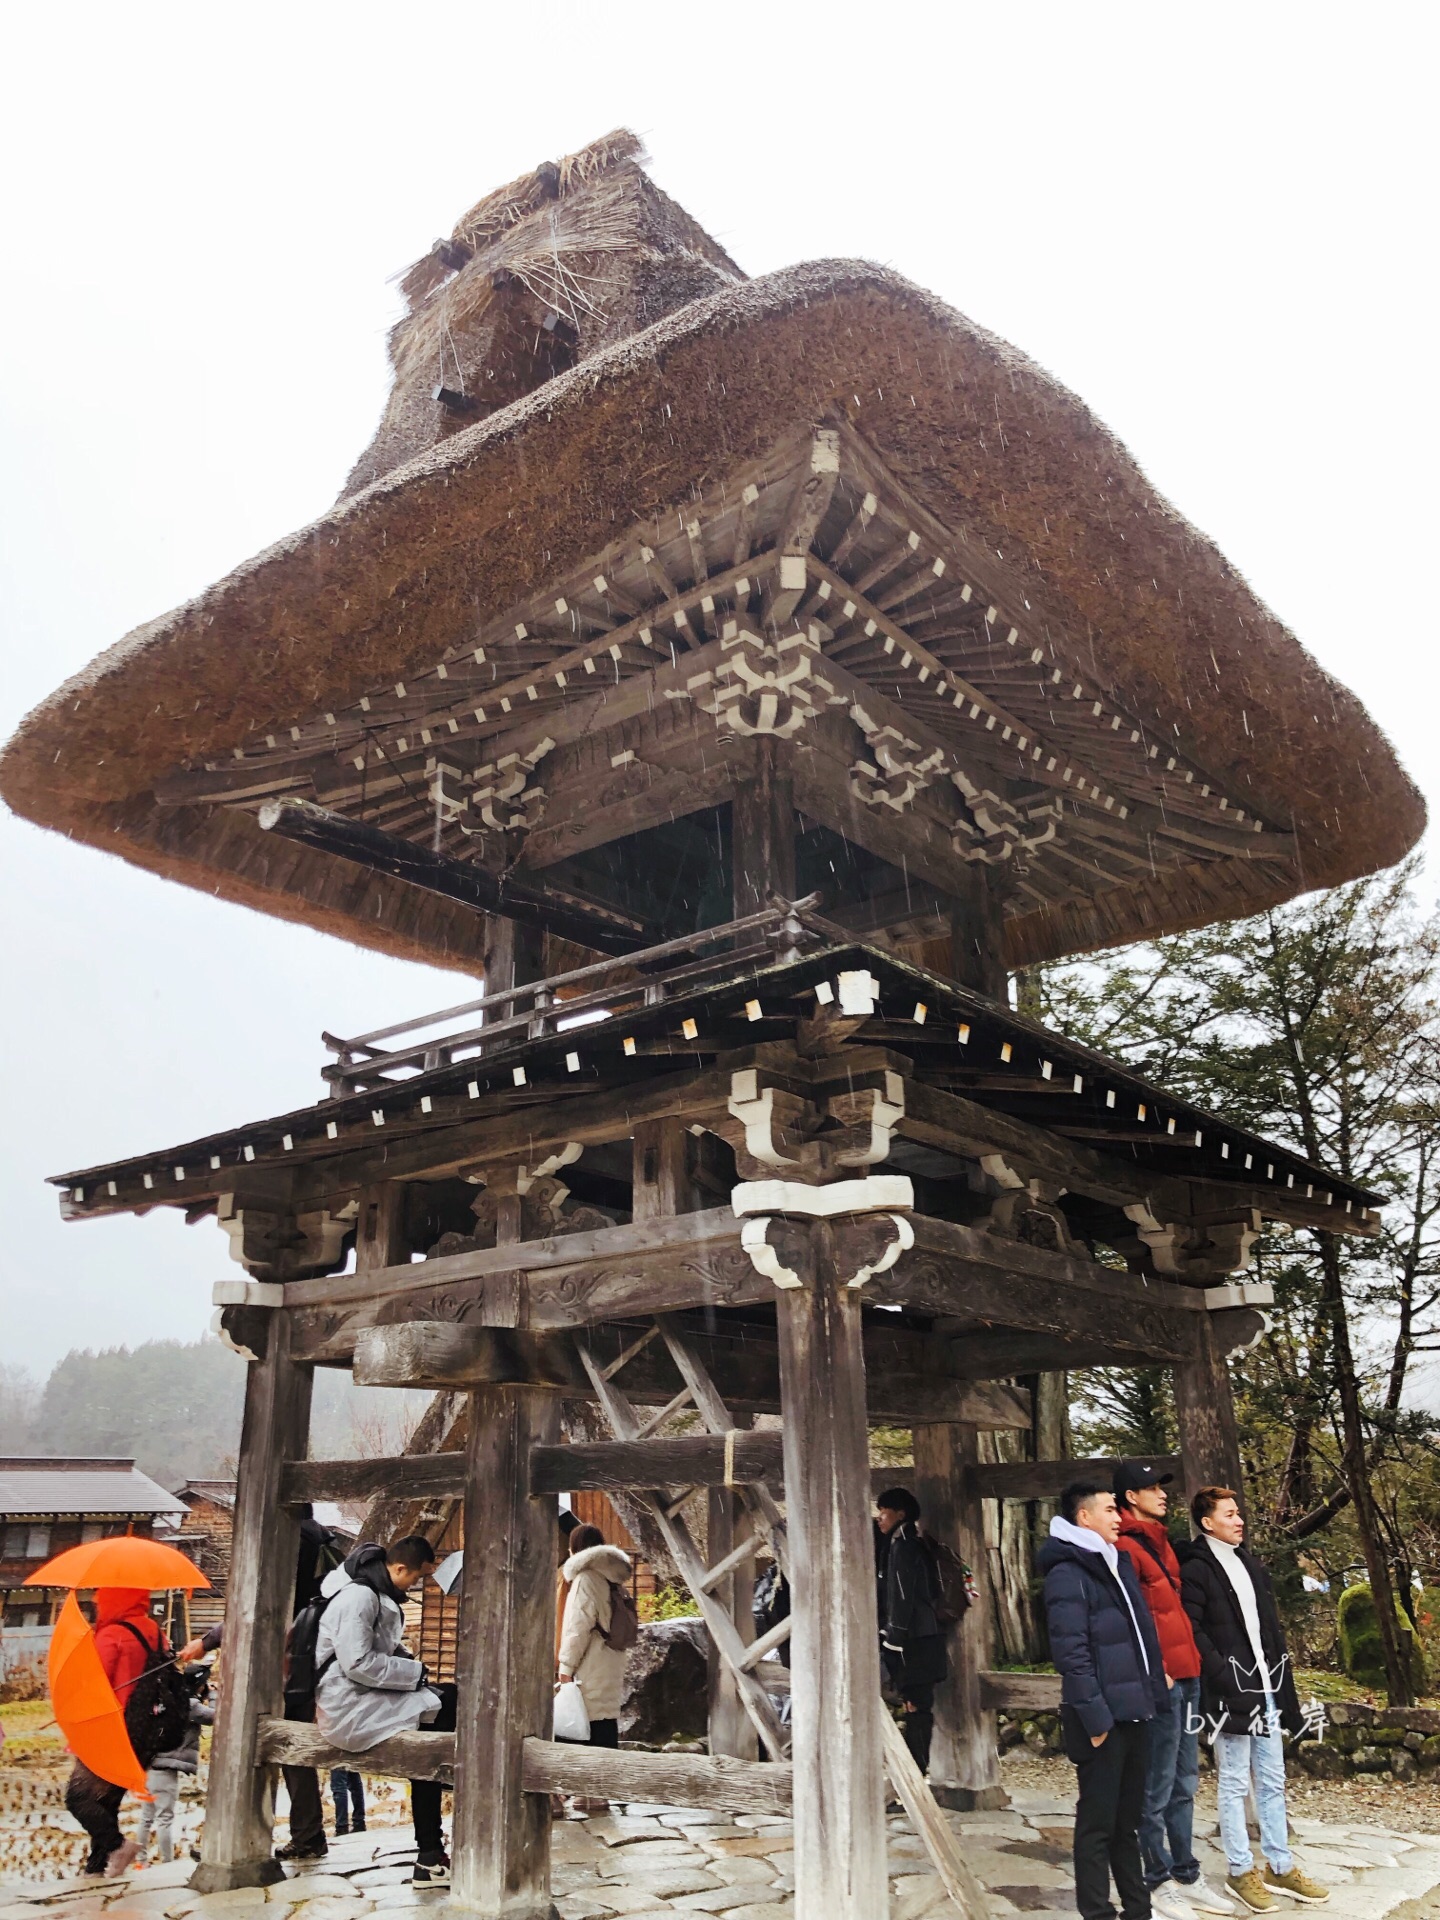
column 1361, row 1652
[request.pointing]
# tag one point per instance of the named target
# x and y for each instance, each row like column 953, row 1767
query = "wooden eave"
column 610, row 701
column 943, row 1036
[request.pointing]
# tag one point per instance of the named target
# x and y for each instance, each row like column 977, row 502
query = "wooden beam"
column 435, row 1354
column 1047, row 1479
column 504, row 1658
column 835, row 1661
column 1020, row 1692
column 408, row 1756
column 407, row 1476
column 529, row 902
column 237, row 1850
column 683, row 1460
column 446, row 1354
column 667, row 1779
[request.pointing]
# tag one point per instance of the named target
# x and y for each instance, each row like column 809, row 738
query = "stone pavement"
column 673, row 1860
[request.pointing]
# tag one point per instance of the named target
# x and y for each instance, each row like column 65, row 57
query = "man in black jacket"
column 912, row 1640
column 1103, row 1643
column 1247, row 1697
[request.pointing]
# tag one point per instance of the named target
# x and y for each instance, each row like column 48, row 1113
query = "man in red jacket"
column 1167, row 1849
column 125, row 1636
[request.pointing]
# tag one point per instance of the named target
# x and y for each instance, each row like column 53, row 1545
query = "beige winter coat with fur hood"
column 583, row 1652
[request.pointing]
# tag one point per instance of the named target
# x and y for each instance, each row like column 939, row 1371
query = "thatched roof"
column 1118, row 591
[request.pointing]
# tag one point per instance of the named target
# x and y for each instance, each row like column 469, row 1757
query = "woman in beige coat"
column 590, row 1572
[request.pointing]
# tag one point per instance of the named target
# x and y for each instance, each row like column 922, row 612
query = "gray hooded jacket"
column 372, row 1687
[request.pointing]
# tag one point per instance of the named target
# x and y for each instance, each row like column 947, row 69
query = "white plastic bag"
column 572, row 1722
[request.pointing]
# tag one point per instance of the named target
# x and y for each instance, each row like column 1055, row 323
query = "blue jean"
column 1237, row 1756
column 1167, row 1825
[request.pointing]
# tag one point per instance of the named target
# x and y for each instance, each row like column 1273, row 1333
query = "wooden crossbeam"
column 686, row 1459
column 408, row 1756
column 472, row 886
column 665, row 1779
column 1046, row 1479
column 1021, row 1692
column 407, row 1476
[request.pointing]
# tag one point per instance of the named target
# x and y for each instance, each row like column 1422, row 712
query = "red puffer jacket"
column 1148, row 1546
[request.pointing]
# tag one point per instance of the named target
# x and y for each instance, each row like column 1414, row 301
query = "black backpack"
column 952, row 1583
column 302, row 1673
column 157, row 1712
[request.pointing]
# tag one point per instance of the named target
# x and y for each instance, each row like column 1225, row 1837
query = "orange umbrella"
column 124, row 1560
column 85, row 1704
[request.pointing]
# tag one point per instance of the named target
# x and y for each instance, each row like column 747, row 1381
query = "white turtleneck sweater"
column 1238, row 1575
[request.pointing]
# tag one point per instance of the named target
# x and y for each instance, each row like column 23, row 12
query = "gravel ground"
column 1364, row 1798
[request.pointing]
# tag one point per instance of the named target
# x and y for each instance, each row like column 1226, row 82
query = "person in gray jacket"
column 367, row 1686
column 162, row 1777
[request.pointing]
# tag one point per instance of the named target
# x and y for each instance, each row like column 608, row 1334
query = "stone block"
column 666, row 1684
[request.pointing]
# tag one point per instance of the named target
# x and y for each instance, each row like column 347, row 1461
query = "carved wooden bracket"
column 774, row 1131
column 868, row 1238
column 1189, row 1251
column 274, row 1245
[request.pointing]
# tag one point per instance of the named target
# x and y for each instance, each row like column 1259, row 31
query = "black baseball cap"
column 1132, row 1475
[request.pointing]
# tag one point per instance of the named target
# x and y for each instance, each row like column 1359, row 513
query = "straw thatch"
column 981, row 438
column 535, row 278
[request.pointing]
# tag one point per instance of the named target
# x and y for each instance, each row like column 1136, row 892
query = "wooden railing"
column 589, row 993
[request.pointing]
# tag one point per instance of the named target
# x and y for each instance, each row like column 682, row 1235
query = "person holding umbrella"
column 115, row 1690
column 125, row 1633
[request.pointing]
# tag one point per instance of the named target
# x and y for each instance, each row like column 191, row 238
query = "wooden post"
column 977, row 935
column 505, row 1658
column 238, row 1843
column 514, row 956
column 380, row 1239
column 1205, row 1416
column 835, row 1665
column 964, row 1754
column 661, row 1181
column 731, row 1729
column 762, row 832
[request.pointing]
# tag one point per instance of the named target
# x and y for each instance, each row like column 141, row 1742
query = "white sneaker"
column 1167, row 1903
column 1202, row 1897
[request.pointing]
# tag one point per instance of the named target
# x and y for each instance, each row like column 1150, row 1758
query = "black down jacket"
column 1230, row 1692
column 1092, row 1637
column 909, row 1629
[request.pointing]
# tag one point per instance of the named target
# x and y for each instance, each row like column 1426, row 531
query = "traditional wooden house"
column 48, row 1503
column 740, row 676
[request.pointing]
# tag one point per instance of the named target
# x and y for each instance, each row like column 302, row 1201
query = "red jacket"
column 121, row 1654
column 1148, row 1545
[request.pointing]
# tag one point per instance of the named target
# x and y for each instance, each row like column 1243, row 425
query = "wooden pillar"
column 238, row 1843
column 977, row 934
column 835, row 1649
column 1205, row 1416
column 660, row 1170
column 964, row 1754
column 762, row 832
column 514, row 955
column 505, row 1658
column 380, row 1238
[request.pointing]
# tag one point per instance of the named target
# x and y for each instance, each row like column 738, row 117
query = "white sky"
column 1216, row 223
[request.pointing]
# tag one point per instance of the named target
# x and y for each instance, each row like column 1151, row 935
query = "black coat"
column 907, row 1591
column 1229, row 1686
column 1092, row 1637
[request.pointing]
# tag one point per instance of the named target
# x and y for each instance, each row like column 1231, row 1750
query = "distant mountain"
column 175, row 1406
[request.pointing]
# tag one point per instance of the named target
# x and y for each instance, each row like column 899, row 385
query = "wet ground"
column 649, row 1859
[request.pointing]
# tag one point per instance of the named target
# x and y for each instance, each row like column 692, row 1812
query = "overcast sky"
column 1216, row 223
